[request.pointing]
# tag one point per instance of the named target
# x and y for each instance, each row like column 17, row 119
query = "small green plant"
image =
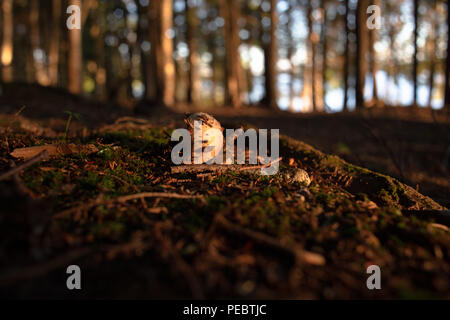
column 70, row 115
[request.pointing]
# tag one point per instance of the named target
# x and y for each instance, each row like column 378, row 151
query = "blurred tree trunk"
column 162, row 67
column 34, row 37
column 233, row 61
column 447, row 67
column 312, row 43
column 373, row 67
column 308, row 83
column 432, row 46
column 415, row 61
column 193, row 81
column 154, row 83
column 54, row 43
column 361, row 51
column 347, row 56
column 323, row 8
column 166, row 55
column 270, row 60
column 373, row 62
column 75, row 57
column 98, row 32
column 7, row 40
column 291, row 50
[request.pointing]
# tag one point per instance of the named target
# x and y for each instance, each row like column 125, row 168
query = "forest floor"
column 137, row 230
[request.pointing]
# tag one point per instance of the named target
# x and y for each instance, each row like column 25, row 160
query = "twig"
column 298, row 254
column 21, row 188
column 166, row 248
column 127, row 198
column 41, row 156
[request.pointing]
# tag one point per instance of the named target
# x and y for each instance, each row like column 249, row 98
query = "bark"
column 75, row 58
column 233, row 63
column 55, row 43
column 415, row 61
column 7, row 40
column 361, row 51
column 270, row 56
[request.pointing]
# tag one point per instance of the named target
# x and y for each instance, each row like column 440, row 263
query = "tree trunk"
column 161, row 67
column 361, row 52
column 433, row 37
column 233, row 62
column 54, row 43
column 193, row 82
column 166, row 55
column 347, row 56
column 447, row 68
column 324, row 53
column 312, row 43
column 415, row 62
column 7, row 40
column 75, row 57
column 291, row 49
column 270, row 64
column 373, row 67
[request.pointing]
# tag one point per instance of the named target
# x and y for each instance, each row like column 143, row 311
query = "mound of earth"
column 137, row 230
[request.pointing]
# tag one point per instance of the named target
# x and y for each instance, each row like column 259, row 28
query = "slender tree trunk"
column 373, row 67
column 447, row 67
column 312, row 42
column 154, row 84
column 308, row 83
column 161, row 72
column 167, row 64
column 431, row 52
column 75, row 57
column 415, row 61
column 271, row 60
column 323, row 93
column 192, row 87
column 7, row 40
column 233, row 63
column 361, row 51
column 55, row 43
column 291, row 49
column 347, row 56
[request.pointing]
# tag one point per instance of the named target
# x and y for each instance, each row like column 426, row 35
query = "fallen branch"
column 53, row 150
column 218, row 168
column 126, row 198
column 41, row 156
